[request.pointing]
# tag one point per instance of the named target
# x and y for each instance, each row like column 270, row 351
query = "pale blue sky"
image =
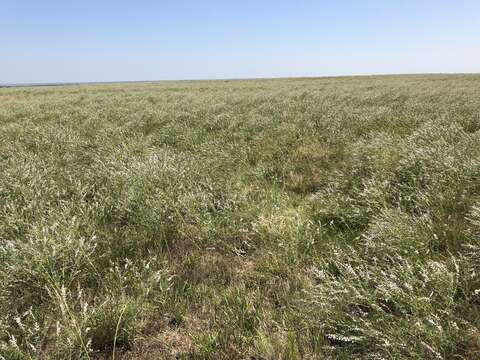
column 95, row 40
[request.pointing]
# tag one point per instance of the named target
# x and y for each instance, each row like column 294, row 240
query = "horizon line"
column 76, row 83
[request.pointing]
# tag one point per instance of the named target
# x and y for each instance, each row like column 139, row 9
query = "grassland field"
column 313, row 218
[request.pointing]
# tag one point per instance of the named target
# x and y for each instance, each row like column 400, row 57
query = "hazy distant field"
column 264, row 219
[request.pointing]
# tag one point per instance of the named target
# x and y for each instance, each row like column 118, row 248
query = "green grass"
column 264, row 219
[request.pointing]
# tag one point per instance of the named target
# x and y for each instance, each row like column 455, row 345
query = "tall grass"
column 297, row 218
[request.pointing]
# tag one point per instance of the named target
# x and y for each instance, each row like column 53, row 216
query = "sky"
column 44, row 41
